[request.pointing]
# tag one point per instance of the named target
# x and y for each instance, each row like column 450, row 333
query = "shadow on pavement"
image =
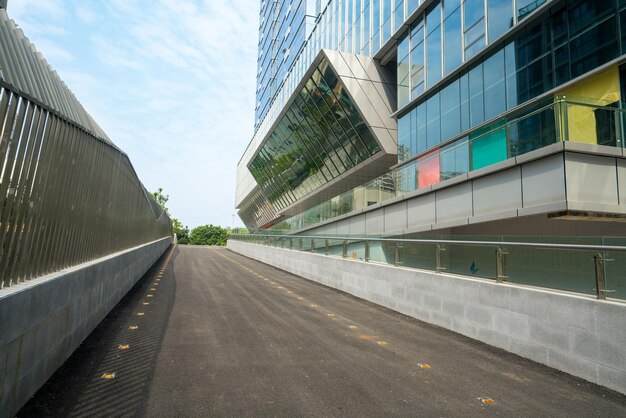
column 78, row 388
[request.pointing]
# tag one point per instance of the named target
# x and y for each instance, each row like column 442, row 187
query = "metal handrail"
column 551, row 246
column 599, row 251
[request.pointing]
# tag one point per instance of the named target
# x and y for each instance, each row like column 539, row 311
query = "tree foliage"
column 182, row 232
column 162, row 199
column 208, row 235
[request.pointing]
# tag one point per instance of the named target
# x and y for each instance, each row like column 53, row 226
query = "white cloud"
column 172, row 84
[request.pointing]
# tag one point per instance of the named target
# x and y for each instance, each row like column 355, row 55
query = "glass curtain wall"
column 321, row 136
column 552, row 51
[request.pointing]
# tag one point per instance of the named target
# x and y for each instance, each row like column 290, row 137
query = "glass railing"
column 561, row 120
column 584, row 268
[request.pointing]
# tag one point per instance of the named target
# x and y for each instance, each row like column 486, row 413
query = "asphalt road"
column 223, row 335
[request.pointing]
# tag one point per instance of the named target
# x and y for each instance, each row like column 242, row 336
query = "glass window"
column 433, row 46
column 477, row 106
column 495, row 92
column 465, row 112
column 366, row 27
column 450, row 6
column 540, row 77
column 594, row 47
column 559, row 27
column 622, row 25
column 421, row 128
column 412, row 6
column 473, row 26
column 451, row 111
column 428, row 169
column 453, row 53
column 387, row 28
column 586, row 13
column 404, row 137
column 414, row 131
column 525, row 7
column 489, row 145
column 500, row 17
column 418, row 74
column 403, row 72
column 433, row 124
column 399, row 14
column 454, row 159
column 375, row 26
column 510, row 67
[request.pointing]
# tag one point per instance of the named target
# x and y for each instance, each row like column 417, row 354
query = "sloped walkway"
column 208, row 332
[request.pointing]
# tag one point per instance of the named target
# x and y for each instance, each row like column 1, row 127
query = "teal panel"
column 489, row 148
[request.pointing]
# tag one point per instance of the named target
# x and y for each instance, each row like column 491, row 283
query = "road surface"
column 208, row 332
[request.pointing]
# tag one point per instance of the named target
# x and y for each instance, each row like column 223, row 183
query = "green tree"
column 208, row 235
column 162, row 199
column 182, row 232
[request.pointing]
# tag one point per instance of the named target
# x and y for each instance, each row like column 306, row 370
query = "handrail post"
column 344, row 252
column 397, row 254
column 291, row 243
column 367, row 251
column 312, row 245
column 501, row 265
column 600, row 277
column 326, row 247
column 438, row 249
column 300, row 244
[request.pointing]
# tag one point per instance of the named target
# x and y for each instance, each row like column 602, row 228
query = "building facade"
column 402, row 117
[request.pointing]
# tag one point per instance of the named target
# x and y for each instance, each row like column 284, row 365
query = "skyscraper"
column 402, row 117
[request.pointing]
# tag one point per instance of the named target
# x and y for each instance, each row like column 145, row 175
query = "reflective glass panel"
column 453, row 52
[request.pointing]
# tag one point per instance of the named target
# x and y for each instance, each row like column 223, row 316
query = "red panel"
column 428, row 171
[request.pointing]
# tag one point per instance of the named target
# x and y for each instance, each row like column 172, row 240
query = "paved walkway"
column 208, row 332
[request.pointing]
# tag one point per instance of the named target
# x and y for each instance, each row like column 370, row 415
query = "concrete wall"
column 44, row 320
column 576, row 334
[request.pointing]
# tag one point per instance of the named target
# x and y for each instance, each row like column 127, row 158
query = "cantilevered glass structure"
column 467, row 88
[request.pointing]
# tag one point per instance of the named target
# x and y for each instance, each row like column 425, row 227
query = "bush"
column 208, row 235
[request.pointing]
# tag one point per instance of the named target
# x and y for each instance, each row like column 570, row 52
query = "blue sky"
column 171, row 82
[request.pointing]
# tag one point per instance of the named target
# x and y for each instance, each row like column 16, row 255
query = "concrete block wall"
column 577, row 334
column 44, row 320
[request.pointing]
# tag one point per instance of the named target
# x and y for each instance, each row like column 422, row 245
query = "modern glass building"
column 400, row 117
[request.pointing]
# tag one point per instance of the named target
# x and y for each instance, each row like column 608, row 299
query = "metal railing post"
column 291, row 243
column 501, row 265
column 367, row 251
column 600, row 277
column 344, row 252
column 397, row 254
column 438, row 249
column 312, row 245
column 300, row 244
column 325, row 247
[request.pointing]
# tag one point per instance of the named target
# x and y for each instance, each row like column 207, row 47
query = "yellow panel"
column 600, row 89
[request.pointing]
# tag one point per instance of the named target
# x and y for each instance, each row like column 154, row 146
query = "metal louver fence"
column 66, row 197
column 67, row 193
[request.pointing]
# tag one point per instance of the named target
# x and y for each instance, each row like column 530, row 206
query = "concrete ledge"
column 579, row 335
column 43, row 320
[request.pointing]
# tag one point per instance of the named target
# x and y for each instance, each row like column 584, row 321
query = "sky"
column 172, row 83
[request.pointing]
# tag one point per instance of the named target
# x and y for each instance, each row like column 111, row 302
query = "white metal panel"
column 543, row 181
column 498, row 192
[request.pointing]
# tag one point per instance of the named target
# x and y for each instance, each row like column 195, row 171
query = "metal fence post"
column 438, row 249
column 600, row 277
column 300, row 244
column 344, row 252
column 501, row 265
column 325, row 247
column 312, row 245
column 397, row 254
column 367, row 251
